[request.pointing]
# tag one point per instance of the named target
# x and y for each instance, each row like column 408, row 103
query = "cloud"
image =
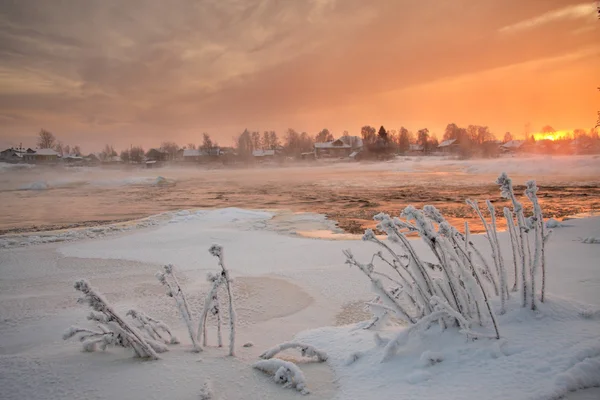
column 135, row 69
column 584, row 11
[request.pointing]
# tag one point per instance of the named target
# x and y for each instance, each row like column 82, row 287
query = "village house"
column 263, row 155
column 335, row 148
column 11, row 156
column 157, row 155
column 449, row 146
column 45, row 156
column 15, row 155
column 199, row 155
column 72, row 159
column 512, row 146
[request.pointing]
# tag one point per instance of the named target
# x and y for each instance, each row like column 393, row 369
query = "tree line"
column 380, row 141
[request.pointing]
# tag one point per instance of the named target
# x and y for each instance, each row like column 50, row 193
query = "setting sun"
column 558, row 135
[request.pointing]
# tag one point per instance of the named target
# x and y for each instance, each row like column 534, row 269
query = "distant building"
column 335, row 148
column 72, row 159
column 415, row 148
column 198, row 155
column 263, row 154
column 512, row 146
column 191, row 155
column 45, row 156
column 449, row 146
column 11, row 156
column 157, row 155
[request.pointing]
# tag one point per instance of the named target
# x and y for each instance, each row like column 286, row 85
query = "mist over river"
column 37, row 198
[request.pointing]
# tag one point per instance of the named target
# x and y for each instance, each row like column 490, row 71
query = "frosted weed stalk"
column 455, row 290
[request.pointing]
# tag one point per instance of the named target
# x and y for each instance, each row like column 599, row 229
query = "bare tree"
column 58, row 147
column 171, row 148
column 403, row 140
column 507, row 137
column 76, row 150
column 46, row 139
column 324, row 136
column 125, row 156
column 207, row 142
column 369, row 134
column 190, row 146
column 136, row 154
column 107, row 153
column 244, row 144
column 255, row 140
column 273, row 139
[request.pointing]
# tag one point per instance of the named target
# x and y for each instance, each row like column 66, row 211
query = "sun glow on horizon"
column 558, row 135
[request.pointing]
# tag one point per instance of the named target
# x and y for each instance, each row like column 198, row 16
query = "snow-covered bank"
column 519, row 165
column 541, row 355
column 286, row 285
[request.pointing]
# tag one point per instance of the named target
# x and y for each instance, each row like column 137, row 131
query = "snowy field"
column 285, row 287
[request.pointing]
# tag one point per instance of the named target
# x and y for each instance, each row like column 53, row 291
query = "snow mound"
column 591, row 240
column 536, row 357
column 40, row 185
column 551, row 223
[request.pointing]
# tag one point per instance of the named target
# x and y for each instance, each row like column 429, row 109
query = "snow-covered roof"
column 513, row 144
column 447, row 143
column 415, row 147
column 263, row 153
column 191, row 153
column 46, row 152
column 335, row 144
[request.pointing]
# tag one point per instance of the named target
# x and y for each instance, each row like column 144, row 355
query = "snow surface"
column 286, row 286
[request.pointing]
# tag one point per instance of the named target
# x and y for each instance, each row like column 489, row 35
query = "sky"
column 139, row 72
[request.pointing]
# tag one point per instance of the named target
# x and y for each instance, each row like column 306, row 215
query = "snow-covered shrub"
column 155, row 329
column 212, row 300
column 454, row 290
column 113, row 330
column 305, row 349
column 284, row 372
column 168, row 278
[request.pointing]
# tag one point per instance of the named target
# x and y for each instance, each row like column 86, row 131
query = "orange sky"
column 143, row 71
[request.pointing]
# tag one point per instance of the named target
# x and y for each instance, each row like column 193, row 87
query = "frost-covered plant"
column 529, row 264
column 153, row 328
column 507, row 191
column 454, row 290
column 168, row 278
column 284, row 372
column 217, row 251
column 211, row 306
column 540, row 241
column 113, row 330
column 491, row 234
column 305, row 349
